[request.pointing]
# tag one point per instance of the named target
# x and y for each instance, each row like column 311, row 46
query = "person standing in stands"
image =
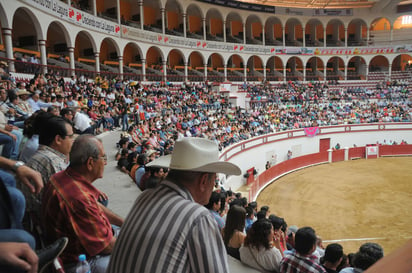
column 186, row 237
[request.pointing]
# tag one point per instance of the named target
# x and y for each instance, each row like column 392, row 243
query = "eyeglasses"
column 104, row 157
column 70, row 136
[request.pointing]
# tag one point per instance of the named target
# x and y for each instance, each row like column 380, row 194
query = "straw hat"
column 196, row 154
column 22, row 92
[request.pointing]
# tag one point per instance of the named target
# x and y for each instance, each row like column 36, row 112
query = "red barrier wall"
column 293, row 164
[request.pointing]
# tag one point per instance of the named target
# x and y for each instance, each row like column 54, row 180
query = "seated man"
column 16, row 245
column 70, row 207
column 303, row 259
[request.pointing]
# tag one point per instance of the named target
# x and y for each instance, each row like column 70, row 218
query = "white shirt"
column 81, row 121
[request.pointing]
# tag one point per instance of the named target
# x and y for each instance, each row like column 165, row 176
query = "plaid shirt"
column 70, row 208
column 296, row 263
column 47, row 161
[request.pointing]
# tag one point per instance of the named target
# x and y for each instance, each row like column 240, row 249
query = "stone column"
column 184, row 25
column 263, row 35
column 43, row 56
column 97, row 59
column 121, row 67
column 141, row 14
column 71, row 64
column 94, row 8
column 205, row 71
column 143, row 69
column 8, row 43
column 162, row 10
column 304, row 72
column 264, row 72
column 164, row 71
column 284, row 73
column 186, row 73
column 283, row 36
column 118, row 11
column 245, row 73
column 325, row 72
column 225, row 72
column 346, row 72
column 224, row 31
column 324, row 37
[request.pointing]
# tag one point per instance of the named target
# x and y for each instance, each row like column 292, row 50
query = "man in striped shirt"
column 168, row 228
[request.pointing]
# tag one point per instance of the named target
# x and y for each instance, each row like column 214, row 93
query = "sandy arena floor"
column 349, row 202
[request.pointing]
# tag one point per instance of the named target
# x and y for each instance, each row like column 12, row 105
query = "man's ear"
column 203, row 182
column 90, row 163
column 58, row 139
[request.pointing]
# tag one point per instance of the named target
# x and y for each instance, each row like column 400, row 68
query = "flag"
column 311, row 131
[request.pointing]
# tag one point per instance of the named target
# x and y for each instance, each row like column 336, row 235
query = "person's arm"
column 114, row 219
column 7, row 133
column 110, row 246
column 19, row 255
column 31, row 178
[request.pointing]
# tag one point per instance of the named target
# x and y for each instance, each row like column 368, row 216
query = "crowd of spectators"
column 153, row 116
column 265, row 242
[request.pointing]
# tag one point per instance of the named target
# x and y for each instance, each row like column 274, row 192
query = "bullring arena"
column 348, row 202
column 283, row 83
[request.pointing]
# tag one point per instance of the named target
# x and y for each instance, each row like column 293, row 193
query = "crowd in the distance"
column 265, row 242
column 39, row 120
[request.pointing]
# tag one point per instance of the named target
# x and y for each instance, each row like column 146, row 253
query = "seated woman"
column 258, row 250
column 233, row 235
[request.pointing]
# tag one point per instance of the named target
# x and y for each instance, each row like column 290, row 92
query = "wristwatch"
column 17, row 165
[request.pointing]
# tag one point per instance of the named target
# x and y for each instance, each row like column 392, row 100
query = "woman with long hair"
column 261, row 248
column 233, row 235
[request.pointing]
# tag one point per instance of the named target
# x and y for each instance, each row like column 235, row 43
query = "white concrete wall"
column 303, row 145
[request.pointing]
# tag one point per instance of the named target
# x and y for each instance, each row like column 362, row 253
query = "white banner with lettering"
column 75, row 16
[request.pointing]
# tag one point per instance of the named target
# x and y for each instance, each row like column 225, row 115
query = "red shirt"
column 70, row 208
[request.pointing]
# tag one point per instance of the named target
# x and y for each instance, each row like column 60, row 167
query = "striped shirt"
column 167, row 231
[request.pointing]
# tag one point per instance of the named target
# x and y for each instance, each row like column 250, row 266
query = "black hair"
column 65, row 111
column 333, row 253
column 48, row 126
column 235, row 221
column 276, row 221
column 368, row 254
column 258, row 234
column 305, row 240
column 141, row 159
column 214, row 198
column 261, row 214
column 12, row 95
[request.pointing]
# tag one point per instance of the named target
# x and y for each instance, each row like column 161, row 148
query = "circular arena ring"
column 349, row 202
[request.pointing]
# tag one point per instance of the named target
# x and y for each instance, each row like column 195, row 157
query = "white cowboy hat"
column 22, row 92
column 196, row 154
